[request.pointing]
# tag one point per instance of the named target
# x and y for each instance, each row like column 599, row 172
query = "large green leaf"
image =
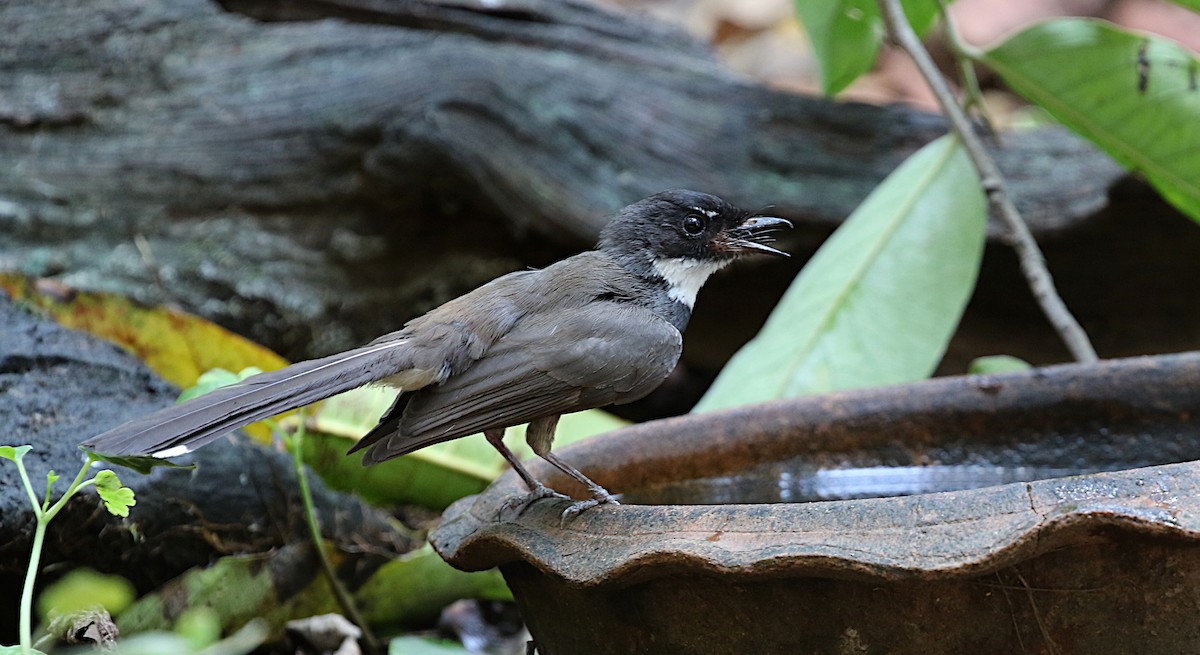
column 244, row 641
column 846, row 35
column 407, row 591
column 84, row 589
column 410, row 645
column 1086, row 73
column 412, row 590
column 878, row 302
column 1194, row 5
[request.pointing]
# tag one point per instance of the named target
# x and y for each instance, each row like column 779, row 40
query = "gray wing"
column 566, row 361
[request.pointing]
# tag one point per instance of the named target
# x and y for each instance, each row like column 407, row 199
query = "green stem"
column 43, row 517
column 345, row 601
column 35, row 558
column 76, row 484
column 33, row 499
column 957, row 44
column 965, row 56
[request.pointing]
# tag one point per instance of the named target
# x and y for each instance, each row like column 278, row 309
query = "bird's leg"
column 540, row 436
column 536, row 489
column 600, row 495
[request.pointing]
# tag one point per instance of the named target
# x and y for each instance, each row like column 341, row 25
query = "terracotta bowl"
column 995, row 548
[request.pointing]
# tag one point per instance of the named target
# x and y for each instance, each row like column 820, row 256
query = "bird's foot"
column 600, row 496
column 519, row 504
column 541, row 491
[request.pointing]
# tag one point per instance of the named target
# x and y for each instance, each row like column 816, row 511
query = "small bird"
column 599, row 328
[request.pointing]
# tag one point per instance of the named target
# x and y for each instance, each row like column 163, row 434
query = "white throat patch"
column 686, row 276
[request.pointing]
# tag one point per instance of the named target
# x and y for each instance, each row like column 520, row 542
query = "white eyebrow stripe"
column 707, row 212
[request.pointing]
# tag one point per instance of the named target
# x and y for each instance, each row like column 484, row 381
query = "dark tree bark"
column 57, row 387
column 317, row 175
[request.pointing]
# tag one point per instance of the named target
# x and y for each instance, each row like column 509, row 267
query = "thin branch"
column 964, row 56
column 1033, row 264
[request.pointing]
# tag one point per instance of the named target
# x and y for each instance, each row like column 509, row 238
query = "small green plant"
column 117, row 500
column 215, row 379
column 295, row 444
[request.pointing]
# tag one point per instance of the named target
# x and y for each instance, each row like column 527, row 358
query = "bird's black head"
column 681, row 237
column 688, row 225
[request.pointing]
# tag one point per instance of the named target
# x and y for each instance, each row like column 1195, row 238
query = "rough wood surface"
column 57, row 386
column 312, row 182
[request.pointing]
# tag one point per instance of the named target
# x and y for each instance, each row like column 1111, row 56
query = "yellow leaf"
column 179, row 346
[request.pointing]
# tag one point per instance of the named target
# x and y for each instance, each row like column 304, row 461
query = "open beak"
column 752, row 236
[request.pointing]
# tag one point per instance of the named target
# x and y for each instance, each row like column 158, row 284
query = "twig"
column 1033, row 264
column 965, row 55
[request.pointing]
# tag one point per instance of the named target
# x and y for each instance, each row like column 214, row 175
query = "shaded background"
column 313, row 174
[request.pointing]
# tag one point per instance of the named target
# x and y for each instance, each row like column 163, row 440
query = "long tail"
column 184, row 427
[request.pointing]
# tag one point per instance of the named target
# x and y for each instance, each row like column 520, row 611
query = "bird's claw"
column 542, row 491
column 600, row 496
column 519, row 504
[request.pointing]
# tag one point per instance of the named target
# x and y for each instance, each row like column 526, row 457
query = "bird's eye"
column 693, row 225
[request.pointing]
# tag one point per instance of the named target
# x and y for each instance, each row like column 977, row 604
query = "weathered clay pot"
column 1100, row 563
